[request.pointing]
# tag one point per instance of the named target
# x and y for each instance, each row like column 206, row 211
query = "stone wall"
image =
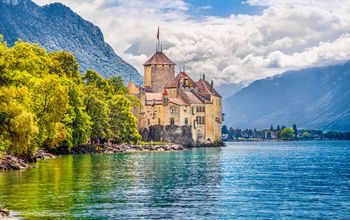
column 175, row 134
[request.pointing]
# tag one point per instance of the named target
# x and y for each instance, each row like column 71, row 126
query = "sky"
column 231, row 41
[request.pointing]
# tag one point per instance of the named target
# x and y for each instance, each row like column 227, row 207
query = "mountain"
column 56, row 27
column 229, row 89
column 314, row 98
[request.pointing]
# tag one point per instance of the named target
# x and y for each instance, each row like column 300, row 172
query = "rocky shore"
column 4, row 213
column 9, row 162
column 86, row 149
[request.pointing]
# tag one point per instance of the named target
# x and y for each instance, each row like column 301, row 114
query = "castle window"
column 186, row 121
column 158, row 121
column 200, row 109
column 149, row 121
column 172, row 121
column 200, row 120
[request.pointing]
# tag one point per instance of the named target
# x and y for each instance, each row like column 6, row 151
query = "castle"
column 176, row 108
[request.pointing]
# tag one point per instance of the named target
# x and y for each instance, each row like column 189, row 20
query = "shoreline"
column 10, row 162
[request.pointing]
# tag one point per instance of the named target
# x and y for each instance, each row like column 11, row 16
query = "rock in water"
column 4, row 212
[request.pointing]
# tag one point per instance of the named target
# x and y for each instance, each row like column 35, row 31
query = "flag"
column 158, row 33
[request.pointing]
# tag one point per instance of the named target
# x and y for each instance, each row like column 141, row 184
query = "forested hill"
column 314, row 98
column 56, row 27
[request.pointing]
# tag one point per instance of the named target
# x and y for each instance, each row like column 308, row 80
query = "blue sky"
column 222, row 8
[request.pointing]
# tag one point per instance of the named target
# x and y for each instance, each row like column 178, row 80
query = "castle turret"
column 158, row 70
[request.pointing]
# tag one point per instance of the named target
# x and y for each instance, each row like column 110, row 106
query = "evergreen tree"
column 224, row 129
column 295, row 131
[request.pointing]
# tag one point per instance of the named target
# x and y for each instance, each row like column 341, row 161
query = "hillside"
column 314, row 98
column 56, row 27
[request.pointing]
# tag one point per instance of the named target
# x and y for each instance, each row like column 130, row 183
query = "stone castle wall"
column 157, row 76
column 175, row 134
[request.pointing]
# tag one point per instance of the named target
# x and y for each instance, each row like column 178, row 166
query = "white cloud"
column 240, row 48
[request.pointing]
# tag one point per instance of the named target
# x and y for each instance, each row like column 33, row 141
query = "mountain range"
column 56, row 27
column 312, row 98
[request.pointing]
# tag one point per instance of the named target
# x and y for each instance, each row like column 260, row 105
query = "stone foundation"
column 171, row 133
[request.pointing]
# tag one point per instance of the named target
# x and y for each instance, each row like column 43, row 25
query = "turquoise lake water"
column 243, row 180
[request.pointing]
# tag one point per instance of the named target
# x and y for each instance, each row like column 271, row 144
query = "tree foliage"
column 46, row 103
column 287, row 134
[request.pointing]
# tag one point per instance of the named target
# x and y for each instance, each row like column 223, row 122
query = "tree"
column 269, row 135
column 271, row 128
column 117, row 85
column 64, row 64
column 122, row 121
column 23, row 63
column 97, row 108
column 17, row 124
column 295, row 131
column 306, row 135
column 50, row 102
column 93, row 78
column 224, row 129
column 75, row 119
column 287, row 134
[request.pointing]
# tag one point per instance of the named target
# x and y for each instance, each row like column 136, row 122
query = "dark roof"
column 159, row 58
column 204, row 88
column 176, row 81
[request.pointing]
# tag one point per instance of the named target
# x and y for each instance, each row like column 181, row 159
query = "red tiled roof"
column 204, row 88
column 159, row 58
column 192, row 98
column 178, row 101
column 176, row 81
column 154, row 98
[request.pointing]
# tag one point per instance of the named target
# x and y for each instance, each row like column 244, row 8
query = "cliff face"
column 56, row 27
column 314, row 98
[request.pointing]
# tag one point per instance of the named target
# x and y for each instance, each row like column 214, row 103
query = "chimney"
column 203, row 76
column 211, row 85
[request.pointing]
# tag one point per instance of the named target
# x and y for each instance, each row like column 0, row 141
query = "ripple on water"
column 242, row 180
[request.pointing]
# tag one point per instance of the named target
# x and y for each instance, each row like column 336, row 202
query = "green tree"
column 22, row 63
column 287, row 134
column 122, row 121
column 17, row 124
column 306, row 135
column 50, row 102
column 93, row 78
column 117, row 85
column 224, row 129
column 97, row 109
column 75, row 119
column 64, row 64
column 295, row 131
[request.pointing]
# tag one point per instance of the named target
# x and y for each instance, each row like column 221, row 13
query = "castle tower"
column 158, row 70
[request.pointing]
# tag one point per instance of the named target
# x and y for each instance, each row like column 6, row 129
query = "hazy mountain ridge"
column 56, row 27
column 314, row 98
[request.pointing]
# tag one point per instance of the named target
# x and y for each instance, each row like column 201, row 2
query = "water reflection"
column 244, row 180
column 139, row 185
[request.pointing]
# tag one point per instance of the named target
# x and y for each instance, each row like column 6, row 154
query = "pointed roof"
column 159, row 58
column 176, row 81
column 192, row 98
column 205, row 88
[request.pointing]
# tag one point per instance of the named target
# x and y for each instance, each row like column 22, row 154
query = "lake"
column 243, row 180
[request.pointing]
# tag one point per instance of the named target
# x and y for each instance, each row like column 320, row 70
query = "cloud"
column 206, row 7
column 239, row 49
